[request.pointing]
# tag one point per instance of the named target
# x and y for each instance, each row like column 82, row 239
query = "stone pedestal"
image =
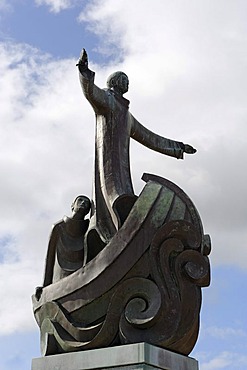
column 141, row 356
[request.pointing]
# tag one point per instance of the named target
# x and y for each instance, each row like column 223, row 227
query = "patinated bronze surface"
column 65, row 252
column 113, row 191
column 138, row 270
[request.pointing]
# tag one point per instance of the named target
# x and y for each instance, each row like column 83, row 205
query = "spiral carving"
column 145, row 286
column 141, row 311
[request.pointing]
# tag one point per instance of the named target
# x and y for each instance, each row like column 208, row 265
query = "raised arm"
column 96, row 96
column 158, row 143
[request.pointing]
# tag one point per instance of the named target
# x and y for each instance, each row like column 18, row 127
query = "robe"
column 65, row 253
column 113, row 194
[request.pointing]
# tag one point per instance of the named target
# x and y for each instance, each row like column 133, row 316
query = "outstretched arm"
column 158, row 143
column 96, row 96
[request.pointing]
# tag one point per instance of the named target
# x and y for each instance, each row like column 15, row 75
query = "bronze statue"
column 65, row 252
column 135, row 275
column 113, row 191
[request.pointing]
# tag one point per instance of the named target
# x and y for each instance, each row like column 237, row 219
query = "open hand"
column 189, row 149
column 83, row 60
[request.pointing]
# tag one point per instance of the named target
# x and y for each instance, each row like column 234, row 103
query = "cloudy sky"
column 187, row 64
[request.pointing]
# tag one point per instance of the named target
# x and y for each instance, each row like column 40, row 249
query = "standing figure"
column 113, row 195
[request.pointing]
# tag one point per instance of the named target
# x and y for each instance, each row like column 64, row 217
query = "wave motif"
column 157, row 297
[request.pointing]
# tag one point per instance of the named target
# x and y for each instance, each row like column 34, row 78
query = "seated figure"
column 65, row 252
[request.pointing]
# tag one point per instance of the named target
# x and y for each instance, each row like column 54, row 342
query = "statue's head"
column 81, row 205
column 119, row 82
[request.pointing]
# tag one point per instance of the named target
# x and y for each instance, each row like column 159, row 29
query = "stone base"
column 141, row 356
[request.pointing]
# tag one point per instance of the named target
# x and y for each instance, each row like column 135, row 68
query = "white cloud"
column 44, row 132
column 225, row 360
column 187, row 67
column 224, row 333
column 4, row 5
column 56, row 6
column 16, row 286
